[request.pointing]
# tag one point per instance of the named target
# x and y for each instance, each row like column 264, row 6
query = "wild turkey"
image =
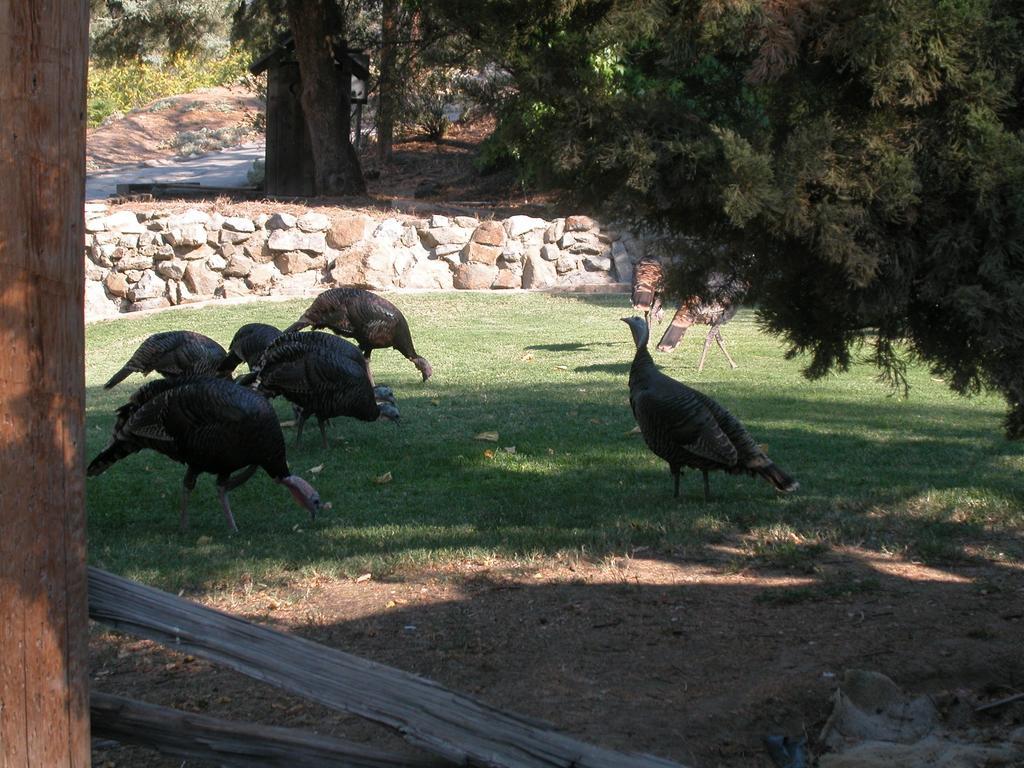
column 323, row 376
column 209, row 425
column 371, row 320
column 715, row 314
column 648, row 286
column 687, row 428
column 248, row 344
column 172, row 354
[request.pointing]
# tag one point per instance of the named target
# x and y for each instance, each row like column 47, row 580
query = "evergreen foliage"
column 121, row 30
column 859, row 163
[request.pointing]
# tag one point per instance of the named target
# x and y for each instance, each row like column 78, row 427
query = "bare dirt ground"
column 684, row 656
column 680, row 658
column 146, row 133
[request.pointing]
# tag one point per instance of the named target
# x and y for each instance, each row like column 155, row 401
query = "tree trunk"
column 386, row 86
column 44, row 706
column 318, row 27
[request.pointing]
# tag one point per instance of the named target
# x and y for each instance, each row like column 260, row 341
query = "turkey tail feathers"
column 118, row 377
column 672, row 336
column 109, row 456
column 681, row 322
column 643, row 297
column 782, row 481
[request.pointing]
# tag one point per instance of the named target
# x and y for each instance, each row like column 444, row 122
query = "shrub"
column 129, row 85
column 207, row 139
column 425, row 105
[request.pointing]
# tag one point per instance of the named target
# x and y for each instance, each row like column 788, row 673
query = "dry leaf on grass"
column 528, row 357
column 490, row 437
column 364, row 577
column 316, row 470
column 509, row 449
column 383, row 479
column 561, row 367
column 488, row 454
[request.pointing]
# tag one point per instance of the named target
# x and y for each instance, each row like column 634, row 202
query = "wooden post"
column 44, row 706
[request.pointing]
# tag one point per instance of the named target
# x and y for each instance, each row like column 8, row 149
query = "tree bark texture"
column 386, row 100
column 317, row 26
column 44, row 708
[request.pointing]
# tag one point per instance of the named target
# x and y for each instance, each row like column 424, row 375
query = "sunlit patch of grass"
column 929, row 477
column 780, row 546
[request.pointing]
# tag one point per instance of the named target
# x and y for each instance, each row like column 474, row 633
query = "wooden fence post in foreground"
column 44, row 706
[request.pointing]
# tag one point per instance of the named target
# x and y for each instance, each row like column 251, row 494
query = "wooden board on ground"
column 228, row 743
column 456, row 727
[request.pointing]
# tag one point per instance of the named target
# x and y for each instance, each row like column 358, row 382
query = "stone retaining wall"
column 153, row 259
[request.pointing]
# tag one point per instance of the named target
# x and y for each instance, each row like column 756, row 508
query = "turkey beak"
column 425, row 368
column 303, row 492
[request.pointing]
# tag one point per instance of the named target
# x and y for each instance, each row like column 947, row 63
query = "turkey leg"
column 721, row 346
column 187, row 484
column 226, row 483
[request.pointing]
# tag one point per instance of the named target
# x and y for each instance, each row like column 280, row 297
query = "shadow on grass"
column 607, row 300
column 616, row 369
column 565, row 475
column 574, row 346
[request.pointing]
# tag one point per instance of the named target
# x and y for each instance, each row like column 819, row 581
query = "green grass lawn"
column 930, row 476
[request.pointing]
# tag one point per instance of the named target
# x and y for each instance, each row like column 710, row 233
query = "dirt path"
column 147, row 133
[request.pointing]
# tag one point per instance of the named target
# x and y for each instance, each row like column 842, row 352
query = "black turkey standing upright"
column 371, row 320
column 248, row 345
column 687, row 428
column 729, row 293
column 324, row 376
column 172, row 354
column 210, row 425
column 648, row 286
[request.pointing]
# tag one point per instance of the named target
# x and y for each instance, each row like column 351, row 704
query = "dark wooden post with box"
column 289, row 155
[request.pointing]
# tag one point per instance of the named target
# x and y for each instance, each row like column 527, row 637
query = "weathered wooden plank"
column 456, row 727
column 44, row 708
column 228, row 743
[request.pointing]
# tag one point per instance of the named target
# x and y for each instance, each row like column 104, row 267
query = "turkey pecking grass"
column 209, row 425
column 373, row 321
